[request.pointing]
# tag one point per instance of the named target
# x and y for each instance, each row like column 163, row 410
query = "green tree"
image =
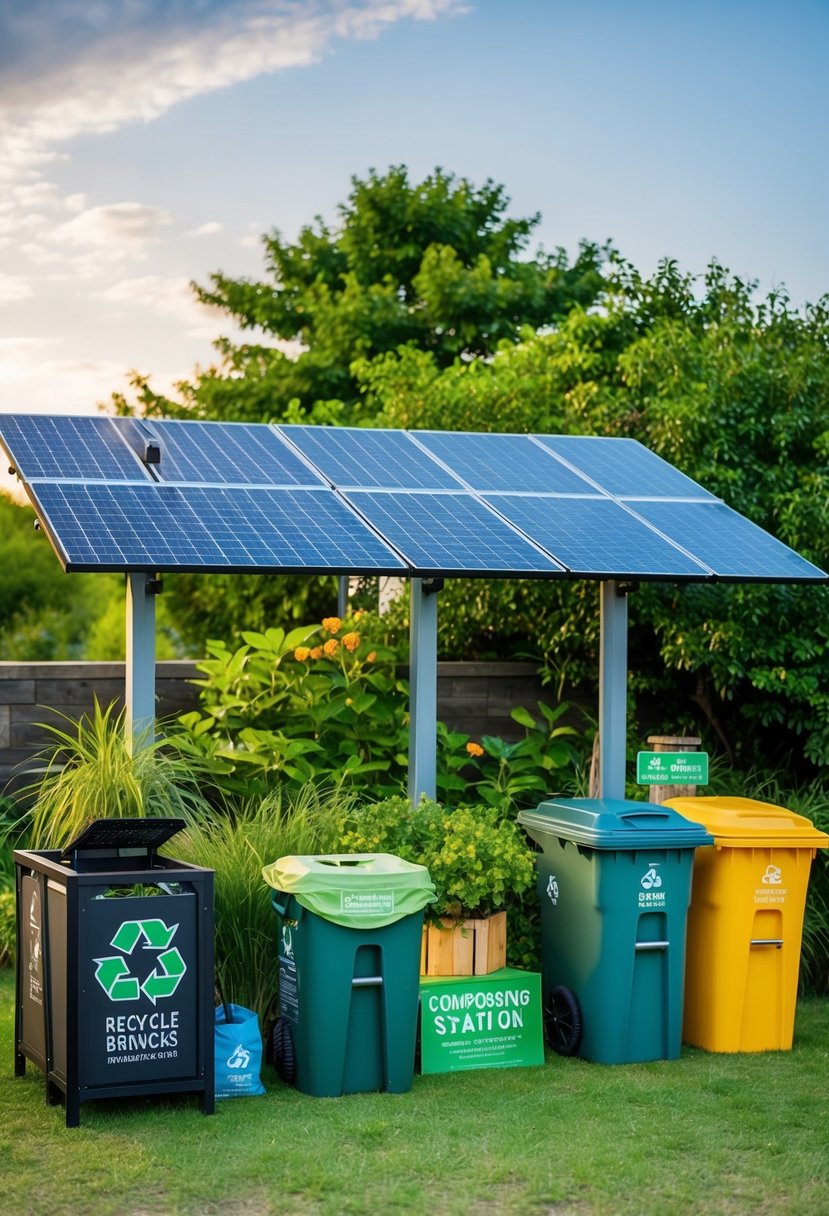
column 736, row 394
column 435, row 265
column 44, row 613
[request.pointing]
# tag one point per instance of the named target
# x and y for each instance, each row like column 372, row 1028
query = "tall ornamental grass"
column 237, row 842
column 91, row 773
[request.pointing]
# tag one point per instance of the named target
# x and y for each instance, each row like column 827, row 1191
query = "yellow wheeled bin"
column 745, row 923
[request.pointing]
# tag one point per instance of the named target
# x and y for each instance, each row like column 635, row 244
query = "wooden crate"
column 465, row 947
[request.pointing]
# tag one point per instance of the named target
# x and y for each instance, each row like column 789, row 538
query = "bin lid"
column 113, row 834
column 746, row 823
column 358, row 890
column 613, row 823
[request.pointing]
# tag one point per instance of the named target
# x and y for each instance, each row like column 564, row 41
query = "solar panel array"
column 138, row 494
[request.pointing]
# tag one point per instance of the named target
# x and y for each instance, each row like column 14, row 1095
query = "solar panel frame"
column 496, row 462
column 696, row 525
column 153, row 527
column 608, row 462
column 561, row 525
column 227, row 453
column 370, row 458
column 68, row 447
column 448, row 524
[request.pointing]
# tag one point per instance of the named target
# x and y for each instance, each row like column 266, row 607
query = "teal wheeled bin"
column 349, row 937
column 614, row 883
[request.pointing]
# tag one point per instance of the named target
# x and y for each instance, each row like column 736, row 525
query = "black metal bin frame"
column 67, row 1003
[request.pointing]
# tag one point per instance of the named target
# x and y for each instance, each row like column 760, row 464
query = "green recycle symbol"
column 113, row 973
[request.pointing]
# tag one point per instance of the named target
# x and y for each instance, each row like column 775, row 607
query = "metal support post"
column 423, row 687
column 140, row 670
column 342, row 596
column 613, row 690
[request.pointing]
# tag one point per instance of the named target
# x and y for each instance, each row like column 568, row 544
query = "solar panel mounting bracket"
column 431, row 586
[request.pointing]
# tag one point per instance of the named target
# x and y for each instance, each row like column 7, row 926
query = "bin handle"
column 652, row 945
column 367, row 981
column 767, row 941
column 282, row 909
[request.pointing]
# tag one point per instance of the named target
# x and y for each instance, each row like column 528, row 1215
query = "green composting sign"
column 672, row 768
column 484, row 1021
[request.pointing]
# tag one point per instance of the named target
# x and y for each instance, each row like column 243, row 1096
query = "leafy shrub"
column 505, row 774
column 325, row 704
column 319, row 703
column 475, row 854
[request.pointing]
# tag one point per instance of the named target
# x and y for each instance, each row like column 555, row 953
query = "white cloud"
column 74, row 69
column 14, row 287
column 208, row 229
column 75, row 203
column 170, row 298
column 120, row 225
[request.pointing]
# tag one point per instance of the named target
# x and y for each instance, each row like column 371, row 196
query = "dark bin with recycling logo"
column 614, row 884
column 349, row 937
column 114, row 994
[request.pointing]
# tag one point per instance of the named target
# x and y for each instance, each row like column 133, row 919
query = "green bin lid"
column 613, row 823
column 358, row 890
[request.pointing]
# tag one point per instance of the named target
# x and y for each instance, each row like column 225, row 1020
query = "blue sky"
column 145, row 144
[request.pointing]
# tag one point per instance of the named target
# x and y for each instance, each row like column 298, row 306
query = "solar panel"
column 361, row 458
column 57, row 445
column 239, row 496
column 623, row 467
column 596, row 537
column 220, row 453
column 492, row 462
column 449, row 533
column 155, row 527
column 733, row 546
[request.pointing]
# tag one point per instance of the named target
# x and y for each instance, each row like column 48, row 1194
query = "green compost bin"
column 349, row 936
column 614, row 885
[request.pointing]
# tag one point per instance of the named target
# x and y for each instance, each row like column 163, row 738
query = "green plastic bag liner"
column 357, row 890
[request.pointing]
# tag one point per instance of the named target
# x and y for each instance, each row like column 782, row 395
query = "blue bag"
column 237, row 1052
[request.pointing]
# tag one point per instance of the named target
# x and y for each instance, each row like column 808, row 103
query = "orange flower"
column 474, row 749
column 316, row 652
column 301, row 653
column 330, row 647
column 351, row 641
column 371, row 657
column 332, row 623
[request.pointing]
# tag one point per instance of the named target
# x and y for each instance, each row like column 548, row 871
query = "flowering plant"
column 476, row 856
column 320, row 703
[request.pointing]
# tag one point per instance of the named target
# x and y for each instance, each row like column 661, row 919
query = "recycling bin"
column 114, row 982
column 349, row 936
column 614, row 883
column 745, row 923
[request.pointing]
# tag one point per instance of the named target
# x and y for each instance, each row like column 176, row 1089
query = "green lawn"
column 704, row 1134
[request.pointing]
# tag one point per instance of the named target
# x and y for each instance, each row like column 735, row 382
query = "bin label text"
column 652, row 895
column 367, row 903
column 672, row 768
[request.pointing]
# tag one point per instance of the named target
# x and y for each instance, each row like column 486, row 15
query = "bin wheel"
column 283, row 1051
column 562, row 1021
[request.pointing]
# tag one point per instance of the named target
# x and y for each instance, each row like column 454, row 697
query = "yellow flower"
column 330, row 647
column 351, row 641
column 360, row 612
column 371, row 657
column 474, row 749
column 332, row 623
column 316, row 652
column 301, row 653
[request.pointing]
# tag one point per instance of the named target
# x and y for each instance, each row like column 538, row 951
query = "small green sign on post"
column 481, row 1021
column 672, row 768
